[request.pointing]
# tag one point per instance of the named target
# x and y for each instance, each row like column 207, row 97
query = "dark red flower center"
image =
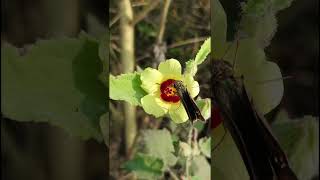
column 168, row 92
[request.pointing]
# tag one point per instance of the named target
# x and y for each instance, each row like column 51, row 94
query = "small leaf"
column 201, row 168
column 159, row 144
column 126, row 87
column 145, row 166
column 191, row 67
column 185, row 149
column 300, row 140
column 205, row 146
column 205, row 107
column 203, row 52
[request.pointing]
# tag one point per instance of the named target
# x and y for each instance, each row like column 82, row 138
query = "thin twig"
column 163, row 20
column 114, row 20
column 143, row 14
column 188, row 41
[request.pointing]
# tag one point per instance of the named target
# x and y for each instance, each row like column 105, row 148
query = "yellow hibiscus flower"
column 162, row 98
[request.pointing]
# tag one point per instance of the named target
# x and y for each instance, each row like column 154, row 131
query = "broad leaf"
column 300, row 140
column 159, row 144
column 56, row 81
column 126, row 87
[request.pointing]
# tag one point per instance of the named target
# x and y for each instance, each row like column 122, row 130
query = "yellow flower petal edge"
column 151, row 79
column 177, row 113
column 171, row 68
column 152, row 105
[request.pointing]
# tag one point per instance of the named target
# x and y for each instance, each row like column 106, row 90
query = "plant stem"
column 127, row 60
column 163, row 21
column 189, row 158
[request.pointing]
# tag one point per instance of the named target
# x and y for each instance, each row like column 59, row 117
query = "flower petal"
column 177, row 113
column 170, row 67
column 154, row 106
column 151, row 79
column 192, row 85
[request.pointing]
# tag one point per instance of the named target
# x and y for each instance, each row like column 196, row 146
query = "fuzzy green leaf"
column 300, row 140
column 205, row 107
column 56, row 81
column 200, row 168
column 191, row 67
column 145, row 167
column 203, row 52
column 126, row 87
column 205, row 146
column 159, row 144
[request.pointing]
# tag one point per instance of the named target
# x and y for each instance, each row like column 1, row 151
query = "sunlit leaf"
column 126, row 87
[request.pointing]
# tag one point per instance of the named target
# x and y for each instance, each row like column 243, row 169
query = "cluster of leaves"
column 161, row 155
column 258, row 25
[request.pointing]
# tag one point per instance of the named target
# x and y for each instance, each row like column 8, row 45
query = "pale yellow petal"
column 153, row 105
column 170, row 67
column 177, row 113
column 151, row 80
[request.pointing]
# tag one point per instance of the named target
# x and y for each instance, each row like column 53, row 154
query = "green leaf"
column 146, row 29
column 159, row 144
column 259, row 19
column 205, row 146
column 145, row 167
column 262, row 78
column 300, row 140
column 200, row 168
column 56, row 81
column 205, row 107
column 218, row 25
column 266, row 86
column 126, row 87
column 203, row 52
column 191, row 67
